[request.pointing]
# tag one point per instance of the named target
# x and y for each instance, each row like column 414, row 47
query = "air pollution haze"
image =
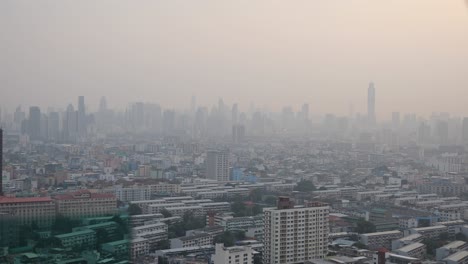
column 272, row 53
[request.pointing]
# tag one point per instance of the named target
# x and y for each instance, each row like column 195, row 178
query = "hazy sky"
column 273, row 53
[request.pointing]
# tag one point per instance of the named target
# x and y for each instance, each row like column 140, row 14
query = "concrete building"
column 79, row 238
column 430, row 231
column 25, row 211
column 83, row 203
column 450, row 249
column 202, row 239
column 232, row 255
column 407, row 240
column 414, row 250
column 460, row 257
column 380, row 239
column 217, row 165
column 139, row 247
column 295, row 234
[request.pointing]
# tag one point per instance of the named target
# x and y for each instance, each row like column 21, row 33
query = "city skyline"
column 323, row 53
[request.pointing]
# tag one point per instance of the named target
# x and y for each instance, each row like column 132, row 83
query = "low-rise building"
column 415, row 250
column 83, row 203
column 202, row 239
column 380, row 239
column 85, row 238
column 232, row 255
column 460, row 257
column 450, row 249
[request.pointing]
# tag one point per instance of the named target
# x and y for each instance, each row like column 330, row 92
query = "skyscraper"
column 295, row 234
column 81, row 116
column 235, row 114
column 217, row 165
column 465, row 130
column 371, row 104
column 34, row 126
column 396, row 120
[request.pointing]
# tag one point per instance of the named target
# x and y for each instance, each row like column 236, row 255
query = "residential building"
column 83, row 203
column 295, row 234
column 25, row 211
column 232, row 255
column 380, row 239
column 414, row 250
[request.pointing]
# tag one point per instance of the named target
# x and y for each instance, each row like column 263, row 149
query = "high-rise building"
column 81, row 116
column 465, row 130
column 238, row 133
column 217, row 165
column 371, row 104
column 295, row 234
column 34, row 126
column 235, row 114
column 70, row 124
column 396, row 120
column 54, row 126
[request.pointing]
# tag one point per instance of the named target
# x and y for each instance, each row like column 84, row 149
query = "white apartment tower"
column 217, row 165
column 295, row 234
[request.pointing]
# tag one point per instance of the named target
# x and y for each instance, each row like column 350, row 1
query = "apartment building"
column 233, row 255
column 430, row 231
column 460, row 257
column 25, row 211
column 139, row 247
column 202, row 239
column 414, row 250
column 380, row 239
column 404, row 241
column 295, row 234
column 83, row 203
column 450, row 249
column 79, row 238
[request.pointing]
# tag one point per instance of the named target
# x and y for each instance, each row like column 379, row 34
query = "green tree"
column 271, row 200
column 165, row 213
column 364, row 227
column 134, row 209
column 460, row 236
column 165, row 244
column 305, row 186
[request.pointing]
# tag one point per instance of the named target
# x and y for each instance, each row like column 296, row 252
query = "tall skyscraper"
column 54, row 126
column 396, row 120
column 238, row 133
column 235, row 114
column 295, row 234
column 217, row 165
column 81, row 116
column 371, row 104
column 34, row 126
column 465, row 130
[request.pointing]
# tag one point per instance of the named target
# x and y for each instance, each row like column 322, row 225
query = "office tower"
column 465, row 130
column 81, row 127
column 193, row 105
column 396, row 120
column 168, row 122
column 217, row 165
column 371, row 104
column 103, row 105
column 44, row 127
column 34, row 124
column 295, row 234
column 305, row 112
column 54, row 126
column 238, row 133
column 442, row 131
column 235, row 114
column 424, row 133
column 70, row 123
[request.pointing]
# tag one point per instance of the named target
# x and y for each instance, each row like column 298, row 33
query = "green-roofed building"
column 79, row 238
column 118, row 248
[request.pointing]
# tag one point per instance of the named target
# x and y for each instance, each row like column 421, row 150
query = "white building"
column 232, row 255
column 295, row 234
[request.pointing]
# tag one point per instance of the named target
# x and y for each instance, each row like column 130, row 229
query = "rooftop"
column 457, row 256
column 77, row 233
column 410, row 247
column 454, row 244
column 5, row 200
